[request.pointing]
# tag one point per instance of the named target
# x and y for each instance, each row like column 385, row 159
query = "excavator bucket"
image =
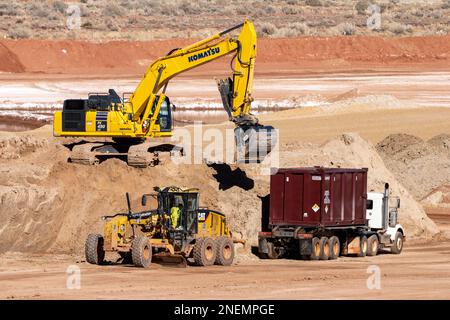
column 254, row 143
column 172, row 260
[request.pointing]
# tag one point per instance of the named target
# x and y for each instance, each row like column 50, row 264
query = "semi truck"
column 322, row 213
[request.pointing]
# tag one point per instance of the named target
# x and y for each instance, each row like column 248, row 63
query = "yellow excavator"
column 128, row 126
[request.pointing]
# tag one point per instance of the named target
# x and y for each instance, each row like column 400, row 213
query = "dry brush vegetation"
column 160, row 19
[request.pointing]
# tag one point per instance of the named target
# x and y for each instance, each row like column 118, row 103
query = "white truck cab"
column 381, row 215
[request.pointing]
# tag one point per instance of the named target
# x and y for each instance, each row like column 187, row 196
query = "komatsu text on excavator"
column 129, row 126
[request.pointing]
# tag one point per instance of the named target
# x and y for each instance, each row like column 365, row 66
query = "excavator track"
column 84, row 154
column 142, row 155
column 139, row 155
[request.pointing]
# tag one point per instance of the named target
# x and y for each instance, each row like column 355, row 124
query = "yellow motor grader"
column 177, row 231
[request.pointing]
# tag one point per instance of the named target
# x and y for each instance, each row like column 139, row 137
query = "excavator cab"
column 165, row 116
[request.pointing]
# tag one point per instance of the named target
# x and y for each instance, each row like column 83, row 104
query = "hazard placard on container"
column 315, row 207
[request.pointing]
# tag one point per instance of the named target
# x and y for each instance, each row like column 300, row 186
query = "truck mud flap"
column 305, row 247
column 262, row 246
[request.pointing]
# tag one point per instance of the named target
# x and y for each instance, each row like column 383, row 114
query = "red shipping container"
column 315, row 197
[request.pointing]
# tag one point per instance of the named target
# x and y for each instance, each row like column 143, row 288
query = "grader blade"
column 175, row 260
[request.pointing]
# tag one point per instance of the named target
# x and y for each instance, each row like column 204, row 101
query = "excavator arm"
column 235, row 91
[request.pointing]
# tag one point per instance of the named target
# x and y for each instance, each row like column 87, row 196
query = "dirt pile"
column 47, row 204
column 421, row 166
column 15, row 147
column 362, row 104
column 50, row 205
column 311, row 53
column 438, row 198
column 353, row 151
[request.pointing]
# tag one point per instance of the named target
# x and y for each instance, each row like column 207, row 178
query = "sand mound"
column 441, row 142
column 421, row 166
column 439, row 197
column 49, row 205
column 362, row 104
column 15, row 147
column 353, row 151
column 394, row 144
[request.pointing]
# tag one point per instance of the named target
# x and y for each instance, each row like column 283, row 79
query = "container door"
column 293, row 202
column 337, row 204
column 349, row 204
column 360, row 198
column 276, row 198
column 312, row 203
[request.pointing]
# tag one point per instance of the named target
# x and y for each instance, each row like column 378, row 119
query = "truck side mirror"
column 398, row 203
column 144, row 200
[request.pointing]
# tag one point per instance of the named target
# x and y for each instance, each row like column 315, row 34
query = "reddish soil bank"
column 274, row 55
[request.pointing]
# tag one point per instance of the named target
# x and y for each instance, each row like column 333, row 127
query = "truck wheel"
column 141, row 252
column 273, row 253
column 315, row 249
column 335, row 247
column 363, row 247
column 204, row 252
column 225, row 251
column 93, row 249
column 397, row 247
column 324, row 249
column 372, row 243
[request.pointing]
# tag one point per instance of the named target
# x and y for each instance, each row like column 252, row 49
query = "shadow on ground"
column 228, row 178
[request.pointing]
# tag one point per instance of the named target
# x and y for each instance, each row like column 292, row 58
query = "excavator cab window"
column 165, row 116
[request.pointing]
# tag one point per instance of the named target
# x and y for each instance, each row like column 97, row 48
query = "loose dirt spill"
column 419, row 165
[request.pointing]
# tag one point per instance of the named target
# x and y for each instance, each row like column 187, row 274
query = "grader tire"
column 141, row 252
column 225, row 251
column 205, row 252
column 94, row 251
